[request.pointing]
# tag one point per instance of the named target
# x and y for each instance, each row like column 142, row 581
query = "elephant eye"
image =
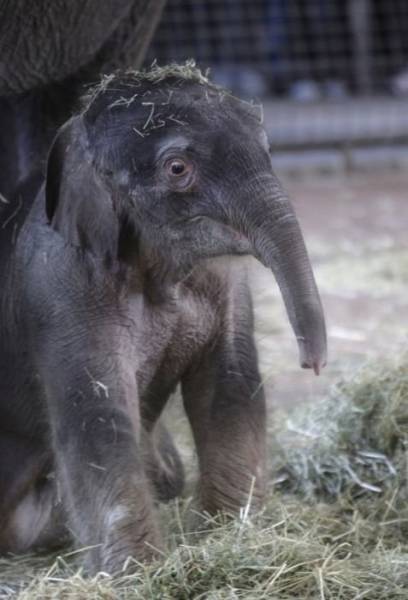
column 180, row 173
column 176, row 167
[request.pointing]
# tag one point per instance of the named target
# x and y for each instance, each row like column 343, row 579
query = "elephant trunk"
column 271, row 226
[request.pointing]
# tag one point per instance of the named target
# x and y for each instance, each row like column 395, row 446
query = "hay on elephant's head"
column 125, row 88
column 187, row 71
column 183, row 72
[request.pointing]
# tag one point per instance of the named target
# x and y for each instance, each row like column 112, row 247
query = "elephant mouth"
column 216, row 238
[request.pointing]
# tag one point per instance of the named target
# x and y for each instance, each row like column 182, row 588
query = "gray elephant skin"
column 50, row 49
column 118, row 285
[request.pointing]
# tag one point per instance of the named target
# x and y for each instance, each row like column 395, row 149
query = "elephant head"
column 163, row 169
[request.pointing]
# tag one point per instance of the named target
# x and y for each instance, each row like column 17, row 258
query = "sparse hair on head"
column 155, row 74
column 186, row 72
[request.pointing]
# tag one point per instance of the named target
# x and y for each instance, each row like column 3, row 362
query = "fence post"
column 359, row 13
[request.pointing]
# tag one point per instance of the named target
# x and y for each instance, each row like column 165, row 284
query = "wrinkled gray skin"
column 118, row 286
column 48, row 50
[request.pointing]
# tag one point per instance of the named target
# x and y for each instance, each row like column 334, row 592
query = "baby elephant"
column 114, row 291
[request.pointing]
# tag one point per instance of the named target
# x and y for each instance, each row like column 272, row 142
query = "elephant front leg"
column 95, row 429
column 225, row 404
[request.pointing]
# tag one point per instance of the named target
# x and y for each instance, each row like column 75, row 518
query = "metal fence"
column 329, row 72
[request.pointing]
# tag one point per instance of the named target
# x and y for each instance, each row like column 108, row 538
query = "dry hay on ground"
column 335, row 526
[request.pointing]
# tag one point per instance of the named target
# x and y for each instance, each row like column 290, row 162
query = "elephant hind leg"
column 37, row 520
column 29, row 513
column 163, row 464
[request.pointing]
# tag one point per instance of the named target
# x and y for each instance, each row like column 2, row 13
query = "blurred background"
column 332, row 77
column 331, row 73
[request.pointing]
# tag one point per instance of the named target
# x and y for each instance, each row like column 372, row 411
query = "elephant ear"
column 78, row 204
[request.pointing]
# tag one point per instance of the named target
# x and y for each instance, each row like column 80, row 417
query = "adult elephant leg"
column 45, row 42
column 9, row 167
column 225, row 404
column 28, row 123
column 127, row 46
column 47, row 57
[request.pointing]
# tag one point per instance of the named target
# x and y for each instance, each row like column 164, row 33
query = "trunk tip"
column 316, row 365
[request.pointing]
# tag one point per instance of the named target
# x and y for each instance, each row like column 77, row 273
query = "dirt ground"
column 355, row 226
